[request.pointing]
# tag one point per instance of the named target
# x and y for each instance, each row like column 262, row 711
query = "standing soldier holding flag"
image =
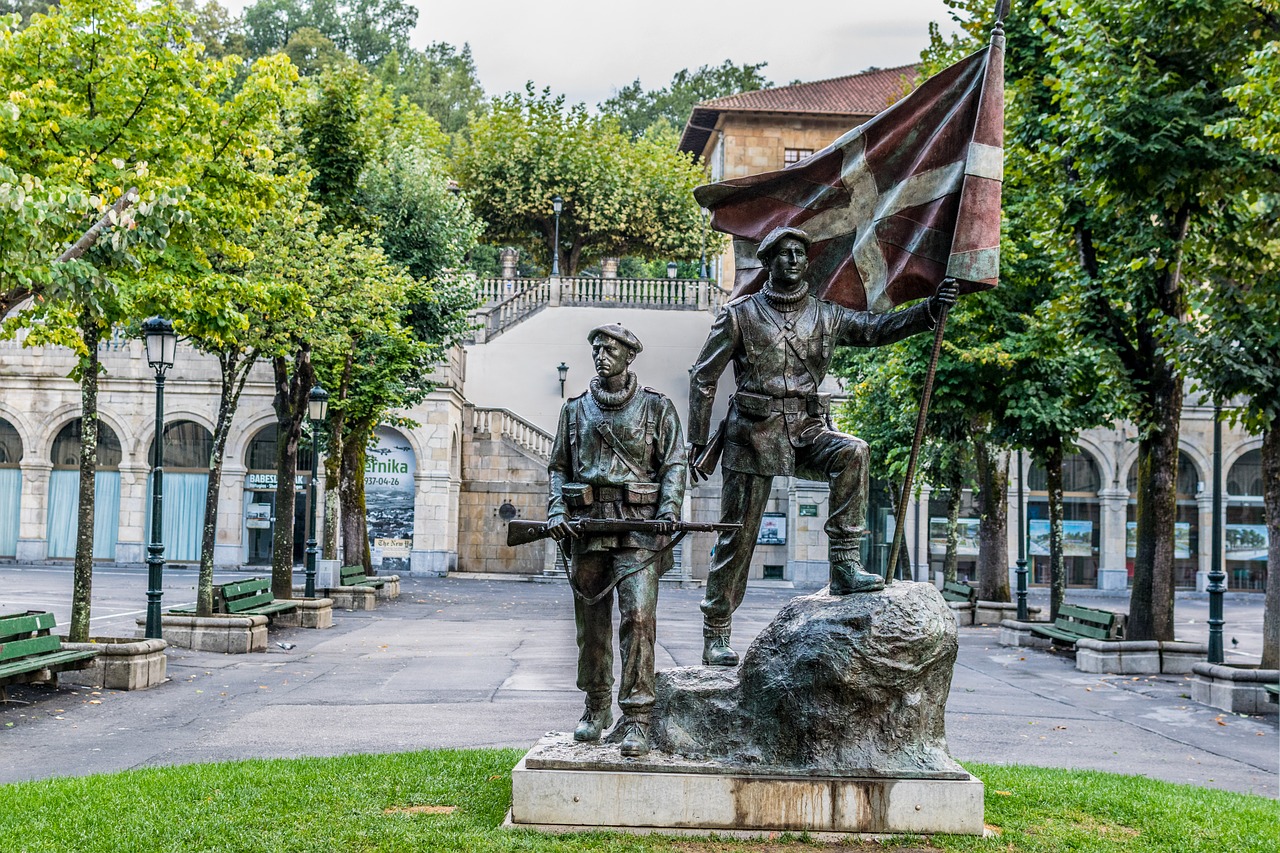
column 904, row 207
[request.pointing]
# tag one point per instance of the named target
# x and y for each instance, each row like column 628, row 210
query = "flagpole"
column 915, row 445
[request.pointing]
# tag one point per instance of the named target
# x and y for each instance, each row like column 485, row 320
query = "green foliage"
column 280, row 805
column 440, row 78
column 620, row 196
column 366, row 30
column 638, row 110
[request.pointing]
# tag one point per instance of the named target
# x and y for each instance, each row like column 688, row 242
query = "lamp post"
column 317, row 408
column 702, row 261
column 1021, row 571
column 563, row 370
column 671, row 269
column 557, row 205
column 1216, row 574
column 161, row 344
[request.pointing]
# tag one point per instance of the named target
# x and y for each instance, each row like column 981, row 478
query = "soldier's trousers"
column 637, row 609
column 835, row 457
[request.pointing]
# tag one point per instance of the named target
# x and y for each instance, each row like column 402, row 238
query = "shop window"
column 64, row 493
column 1186, row 535
column 1246, row 537
column 1081, row 521
column 188, row 448
column 10, row 488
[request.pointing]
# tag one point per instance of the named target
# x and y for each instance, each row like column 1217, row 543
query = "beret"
column 618, row 333
column 776, row 236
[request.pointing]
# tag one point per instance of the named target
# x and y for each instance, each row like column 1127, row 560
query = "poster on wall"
column 773, row 529
column 1077, row 538
column 1181, row 540
column 1247, row 542
column 388, row 493
column 966, row 536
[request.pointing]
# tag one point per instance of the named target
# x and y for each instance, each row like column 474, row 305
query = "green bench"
column 957, row 591
column 29, row 652
column 250, row 597
column 1273, row 693
column 1077, row 623
column 355, row 576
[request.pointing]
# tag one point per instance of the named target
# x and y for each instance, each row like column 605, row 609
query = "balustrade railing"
column 496, row 318
column 504, row 422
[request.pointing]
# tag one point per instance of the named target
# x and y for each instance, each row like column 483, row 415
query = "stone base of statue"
column 833, row 723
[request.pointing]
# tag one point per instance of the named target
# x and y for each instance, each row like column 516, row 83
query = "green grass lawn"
column 456, row 800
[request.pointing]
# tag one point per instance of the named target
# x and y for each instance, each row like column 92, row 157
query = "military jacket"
column 779, row 361
column 589, row 447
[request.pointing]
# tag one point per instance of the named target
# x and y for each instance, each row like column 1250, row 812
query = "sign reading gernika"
column 388, row 493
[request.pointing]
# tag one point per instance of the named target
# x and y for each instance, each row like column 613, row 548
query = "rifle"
column 523, row 532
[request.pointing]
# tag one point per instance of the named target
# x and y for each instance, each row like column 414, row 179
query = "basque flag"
column 894, row 205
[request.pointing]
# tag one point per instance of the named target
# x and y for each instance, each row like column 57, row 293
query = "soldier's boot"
column 635, row 738
column 715, row 647
column 594, row 721
column 847, row 574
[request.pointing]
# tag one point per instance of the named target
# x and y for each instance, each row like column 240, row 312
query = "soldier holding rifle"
column 618, row 456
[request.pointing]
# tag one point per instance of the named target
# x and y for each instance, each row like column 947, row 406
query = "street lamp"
column 671, row 269
column 161, row 344
column 557, row 205
column 317, row 408
column 563, row 370
column 1022, row 549
column 1216, row 575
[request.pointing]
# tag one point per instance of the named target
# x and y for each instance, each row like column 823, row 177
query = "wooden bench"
column 250, row 597
column 1077, row 623
column 355, row 576
column 957, row 591
column 29, row 652
column 1273, row 693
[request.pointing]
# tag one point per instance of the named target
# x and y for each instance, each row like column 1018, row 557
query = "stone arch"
column 26, row 434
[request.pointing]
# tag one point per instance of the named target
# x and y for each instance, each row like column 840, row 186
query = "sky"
column 587, row 49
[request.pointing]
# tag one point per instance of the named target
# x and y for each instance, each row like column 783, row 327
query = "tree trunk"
column 290, row 404
column 333, row 462
column 993, row 507
column 234, row 373
column 355, row 528
column 1057, row 560
column 955, row 497
column 1271, row 509
column 1151, row 599
column 82, row 577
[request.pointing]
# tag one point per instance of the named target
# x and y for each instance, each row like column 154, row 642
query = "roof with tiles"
column 863, row 94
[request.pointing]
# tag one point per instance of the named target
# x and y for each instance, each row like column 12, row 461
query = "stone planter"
column 233, row 635
column 352, row 597
column 1015, row 633
column 311, row 613
column 1237, row 689
column 995, row 612
column 1136, row 657
column 122, row 663
column 390, row 589
column 963, row 611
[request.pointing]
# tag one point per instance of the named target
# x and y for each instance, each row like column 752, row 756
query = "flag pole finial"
column 1002, row 11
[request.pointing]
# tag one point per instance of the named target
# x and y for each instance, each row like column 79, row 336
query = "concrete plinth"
column 390, row 589
column 1236, row 689
column 1015, row 633
column 121, row 664
column 310, row 613
column 963, row 611
column 1113, row 579
column 233, row 635
column 352, row 597
column 1134, row 657
column 995, row 612
column 664, row 793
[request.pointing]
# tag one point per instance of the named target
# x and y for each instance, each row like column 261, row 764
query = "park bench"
column 355, row 576
column 958, row 591
column 1273, row 693
column 1077, row 623
column 29, row 652
column 250, row 597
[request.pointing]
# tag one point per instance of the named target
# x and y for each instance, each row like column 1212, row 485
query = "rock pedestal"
column 833, row 724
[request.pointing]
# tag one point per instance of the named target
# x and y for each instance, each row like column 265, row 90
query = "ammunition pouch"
column 753, row 406
column 580, row 498
column 760, row 406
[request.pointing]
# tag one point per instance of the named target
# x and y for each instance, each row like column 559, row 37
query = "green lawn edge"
column 359, row 803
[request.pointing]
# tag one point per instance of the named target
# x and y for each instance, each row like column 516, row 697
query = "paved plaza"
column 465, row 662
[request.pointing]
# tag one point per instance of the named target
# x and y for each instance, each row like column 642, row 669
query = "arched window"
column 64, row 492
column 1246, row 536
column 260, row 495
column 1186, row 534
column 1081, row 520
column 10, row 488
column 188, row 447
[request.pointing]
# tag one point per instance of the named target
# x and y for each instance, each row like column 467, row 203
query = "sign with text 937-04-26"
column 388, row 489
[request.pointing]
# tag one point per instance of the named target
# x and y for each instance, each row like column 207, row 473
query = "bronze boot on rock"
column 594, row 721
column 635, row 739
column 715, row 647
column 847, row 574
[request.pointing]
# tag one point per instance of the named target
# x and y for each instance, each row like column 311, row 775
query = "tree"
column 440, row 78
column 638, row 110
column 620, row 196
column 365, row 30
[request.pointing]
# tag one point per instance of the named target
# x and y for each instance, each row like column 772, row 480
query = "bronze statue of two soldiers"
column 619, row 455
